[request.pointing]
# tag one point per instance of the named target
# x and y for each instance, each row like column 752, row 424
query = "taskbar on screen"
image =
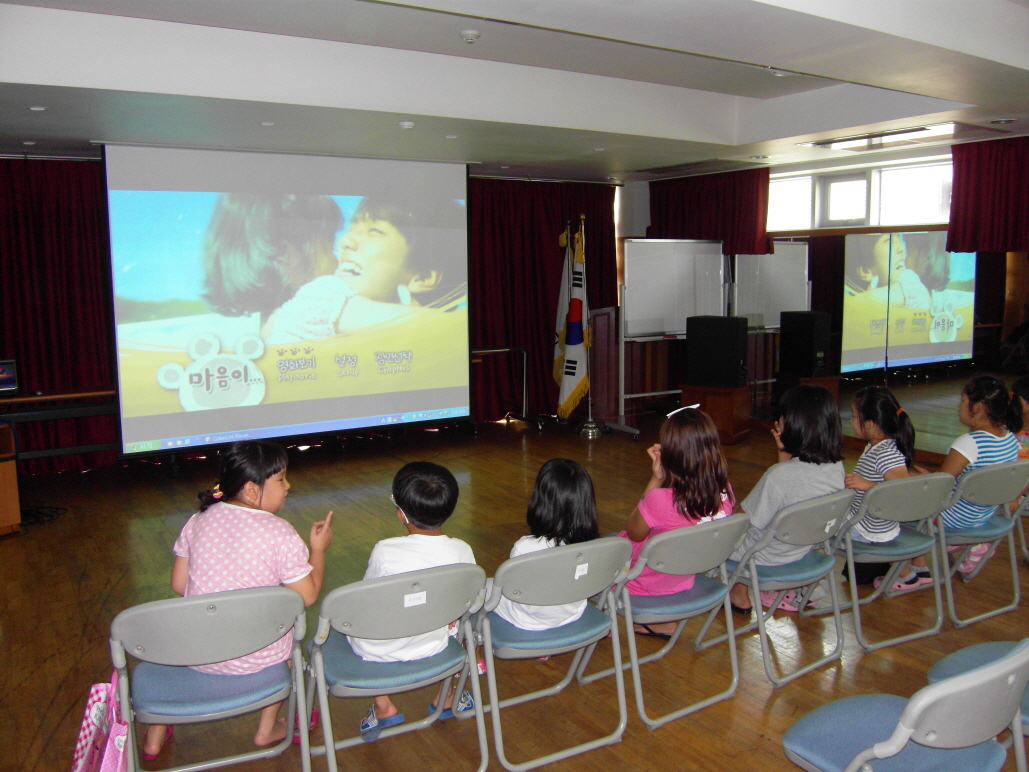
column 319, row 427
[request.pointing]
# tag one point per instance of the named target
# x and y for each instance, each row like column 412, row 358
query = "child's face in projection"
column 890, row 255
column 373, row 258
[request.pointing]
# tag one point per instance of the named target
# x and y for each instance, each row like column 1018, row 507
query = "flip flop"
column 740, row 610
column 315, row 715
column 151, row 756
column 649, row 632
column 371, row 726
column 464, row 702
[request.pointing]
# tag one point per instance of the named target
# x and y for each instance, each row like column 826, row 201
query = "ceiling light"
column 28, row 142
column 505, row 167
column 37, row 108
column 758, row 157
column 469, row 35
column 451, row 136
column 997, row 121
column 598, row 149
column 267, row 123
column 882, row 140
column 406, row 125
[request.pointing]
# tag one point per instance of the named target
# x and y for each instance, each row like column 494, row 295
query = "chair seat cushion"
column 165, row 690
column 906, row 544
column 993, row 529
column 972, row 657
column 591, row 624
column 828, row 737
column 814, row 565
column 705, row 593
column 344, row 667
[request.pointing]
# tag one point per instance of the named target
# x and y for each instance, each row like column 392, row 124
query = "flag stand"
column 591, row 430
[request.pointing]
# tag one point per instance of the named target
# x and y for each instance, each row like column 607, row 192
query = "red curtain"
column 731, row 208
column 57, row 309
column 515, row 275
column 989, row 205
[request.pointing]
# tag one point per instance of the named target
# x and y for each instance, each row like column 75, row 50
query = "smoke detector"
column 469, row 35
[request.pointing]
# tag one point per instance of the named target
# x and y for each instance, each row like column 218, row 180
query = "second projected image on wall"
column 906, row 301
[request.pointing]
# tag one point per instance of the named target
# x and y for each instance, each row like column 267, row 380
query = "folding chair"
column 397, row 606
column 693, row 550
column 1022, row 511
column 994, row 485
column 972, row 658
column 950, row 725
column 551, row 577
column 168, row 636
column 807, row 523
column 915, row 500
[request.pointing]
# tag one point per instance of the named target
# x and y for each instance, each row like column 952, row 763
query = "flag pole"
column 591, row 429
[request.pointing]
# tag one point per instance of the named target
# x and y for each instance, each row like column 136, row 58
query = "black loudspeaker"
column 804, row 343
column 716, row 351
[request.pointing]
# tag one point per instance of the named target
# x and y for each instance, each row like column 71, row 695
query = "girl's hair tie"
column 899, row 411
column 217, row 492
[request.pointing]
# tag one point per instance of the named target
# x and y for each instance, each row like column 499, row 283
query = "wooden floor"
column 63, row 582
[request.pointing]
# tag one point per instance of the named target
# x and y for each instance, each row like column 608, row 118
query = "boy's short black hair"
column 426, row 493
column 811, row 428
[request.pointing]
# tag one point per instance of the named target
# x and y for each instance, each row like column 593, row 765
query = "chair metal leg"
column 1021, row 537
column 949, row 571
column 496, row 704
column 856, row 604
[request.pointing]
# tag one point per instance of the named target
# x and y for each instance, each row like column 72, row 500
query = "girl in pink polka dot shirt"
column 234, row 542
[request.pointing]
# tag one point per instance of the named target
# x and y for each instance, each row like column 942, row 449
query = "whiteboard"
column 667, row 281
column 770, row 284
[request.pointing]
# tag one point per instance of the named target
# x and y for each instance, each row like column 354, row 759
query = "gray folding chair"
column 1020, row 512
column 976, row 656
column 548, row 578
column 397, row 606
column 807, row 523
column 950, row 726
column 995, row 486
column 168, row 636
column 910, row 500
column 693, row 550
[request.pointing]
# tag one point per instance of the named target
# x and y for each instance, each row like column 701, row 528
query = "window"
column 790, row 204
column 916, row 194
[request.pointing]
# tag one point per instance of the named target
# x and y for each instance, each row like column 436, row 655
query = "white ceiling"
column 561, row 89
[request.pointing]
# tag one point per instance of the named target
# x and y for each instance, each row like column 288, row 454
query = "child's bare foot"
column 274, row 735
column 153, row 742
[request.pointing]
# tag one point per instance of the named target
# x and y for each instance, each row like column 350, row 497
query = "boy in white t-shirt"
column 425, row 495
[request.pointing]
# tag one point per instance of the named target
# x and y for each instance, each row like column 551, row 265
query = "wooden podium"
column 728, row 408
column 10, row 505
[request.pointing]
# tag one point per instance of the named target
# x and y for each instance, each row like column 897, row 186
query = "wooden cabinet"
column 10, row 505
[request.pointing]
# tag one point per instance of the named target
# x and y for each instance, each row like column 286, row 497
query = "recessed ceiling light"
column 758, row 157
column 37, row 108
column 28, row 142
column 1003, row 121
column 451, row 136
column 267, row 123
column 406, row 125
column 598, row 150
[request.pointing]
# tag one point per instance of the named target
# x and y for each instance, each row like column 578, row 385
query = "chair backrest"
column 696, row 548
column 564, row 574
column 405, row 604
column 993, row 485
column 812, row 521
column 970, row 708
column 909, row 498
column 203, row 629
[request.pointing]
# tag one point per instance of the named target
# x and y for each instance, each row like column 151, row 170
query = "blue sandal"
column 465, row 702
column 372, row 726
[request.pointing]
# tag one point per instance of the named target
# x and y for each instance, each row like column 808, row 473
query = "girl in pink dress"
column 689, row 484
column 236, row 542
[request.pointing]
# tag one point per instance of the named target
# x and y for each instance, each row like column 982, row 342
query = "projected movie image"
column 263, row 313
column 906, row 301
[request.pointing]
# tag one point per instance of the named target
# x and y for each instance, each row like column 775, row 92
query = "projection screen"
column 262, row 295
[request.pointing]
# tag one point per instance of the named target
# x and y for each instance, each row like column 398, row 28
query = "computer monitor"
column 8, row 378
